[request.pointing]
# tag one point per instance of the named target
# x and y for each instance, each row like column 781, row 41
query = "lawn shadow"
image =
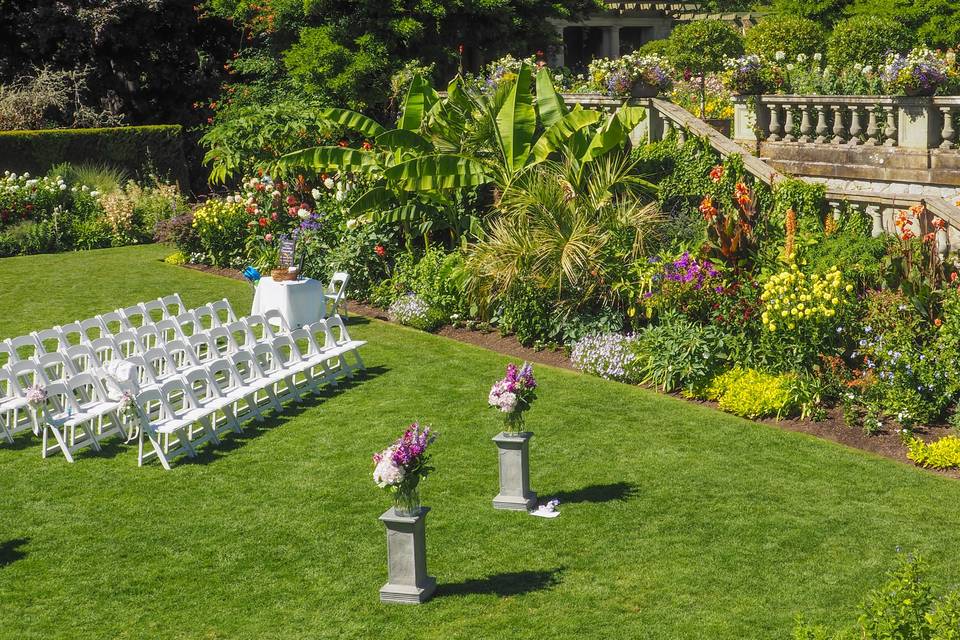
column 596, row 493
column 512, row 583
column 10, row 551
column 356, row 320
column 253, row 429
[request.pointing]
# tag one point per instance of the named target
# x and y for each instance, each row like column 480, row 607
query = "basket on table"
column 280, row 275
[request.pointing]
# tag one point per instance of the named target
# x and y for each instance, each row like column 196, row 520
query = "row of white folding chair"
column 113, row 323
column 78, row 413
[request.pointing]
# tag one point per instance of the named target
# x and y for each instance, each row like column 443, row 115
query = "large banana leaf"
column 614, row 132
column 331, row 158
column 438, row 171
column 353, row 121
column 562, row 130
column 420, row 97
column 377, row 197
column 403, row 139
column 517, row 121
column 550, row 104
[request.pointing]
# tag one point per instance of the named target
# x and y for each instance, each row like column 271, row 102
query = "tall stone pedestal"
column 408, row 582
column 515, row 493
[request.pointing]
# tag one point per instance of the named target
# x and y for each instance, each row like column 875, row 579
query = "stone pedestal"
column 515, row 493
column 408, row 582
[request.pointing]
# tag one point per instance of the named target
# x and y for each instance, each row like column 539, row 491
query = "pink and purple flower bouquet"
column 400, row 467
column 514, row 394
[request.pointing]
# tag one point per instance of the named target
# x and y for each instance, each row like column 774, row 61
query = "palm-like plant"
column 565, row 228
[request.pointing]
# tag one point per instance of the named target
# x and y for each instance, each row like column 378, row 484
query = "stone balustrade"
column 902, row 139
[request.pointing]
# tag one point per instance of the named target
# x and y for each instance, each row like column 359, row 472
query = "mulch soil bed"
column 886, row 443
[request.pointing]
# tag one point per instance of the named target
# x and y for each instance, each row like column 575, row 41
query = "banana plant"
column 426, row 170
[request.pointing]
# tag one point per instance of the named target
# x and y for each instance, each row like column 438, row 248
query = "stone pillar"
column 917, row 123
column 749, row 115
column 408, row 582
column 605, row 37
column 513, row 452
column 614, row 42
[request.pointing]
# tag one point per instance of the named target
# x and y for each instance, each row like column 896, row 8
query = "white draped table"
column 301, row 302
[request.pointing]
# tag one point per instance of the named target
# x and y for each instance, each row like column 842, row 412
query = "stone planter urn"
column 407, row 582
column 513, row 451
column 643, row 89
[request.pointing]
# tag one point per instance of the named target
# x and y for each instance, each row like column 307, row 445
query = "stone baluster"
column 774, row 123
column 855, row 128
column 788, row 124
column 805, row 127
column 838, row 130
column 873, row 131
column 876, row 214
column 948, row 132
column 681, row 134
column 890, row 127
column 943, row 241
column 821, row 124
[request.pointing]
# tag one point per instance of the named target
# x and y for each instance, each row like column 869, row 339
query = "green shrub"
column 790, row 34
column 680, row 354
column 432, row 276
column 414, row 311
column 903, row 608
column 940, row 454
column 751, row 393
column 526, row 313
column 702, row 46
column 866, row 40
column 98, row 176
column 90, row 233
column 222, row 231
column 139, row 151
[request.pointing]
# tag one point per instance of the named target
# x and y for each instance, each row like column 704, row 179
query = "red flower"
column 379, row 250
column 292, row 211
column 930, row 237
column 460, row 48
column 251, row 209
column 274, row 216
column 366, row 146
column 342, row 143
column 687, row 74
column 716, row 174
column 707, row 209
column 539, row 53
column 291, row 200
column 939, row 224
column 937, row 322
column 263, row 222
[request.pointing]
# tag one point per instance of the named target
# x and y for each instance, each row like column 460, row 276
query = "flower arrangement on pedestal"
column 401, row 466
column 919, row 73
column 513, row 395
column 642, row 76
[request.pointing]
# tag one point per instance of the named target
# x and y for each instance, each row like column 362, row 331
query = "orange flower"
column 930, row 237
column 918, row 209
column 707, row 209
column 716, row 174
column 742, row 193
column 937, row 322
column 366, row 146
column 939, row 224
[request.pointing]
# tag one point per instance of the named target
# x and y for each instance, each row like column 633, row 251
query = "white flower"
column 13, row 176
column 801, row 58
column 315, row 193
column 30, row 183
column 507, row 402
column 779, row 56
column 789, row 66
column 387, row 473
column 328, row 183
column 94, row 194
column 26, row 175
column 275, row 194
column 303, row 213
column 85, row 188
column 867, row 70
column 818, row 56
column 253, row 183
column 341, row 196
column 352, row 223
column 63, row 187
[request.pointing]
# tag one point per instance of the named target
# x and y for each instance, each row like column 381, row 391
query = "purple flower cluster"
column 411, row 445
column 920, row 72
column 515, row 392
column 405, row 461
column 689, row 270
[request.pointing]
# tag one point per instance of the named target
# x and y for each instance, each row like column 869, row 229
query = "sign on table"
column 288, row 250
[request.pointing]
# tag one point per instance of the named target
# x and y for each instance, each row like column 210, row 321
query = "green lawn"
column 677, row 521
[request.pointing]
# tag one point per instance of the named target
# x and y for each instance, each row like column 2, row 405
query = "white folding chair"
column 253, row 378
column 223, row 311
column 82, row 358
column 135, row 316
column 319, row 370
column 73, row 333
column 168, row 329
column 205, row 317
column 96, row 407
column 65, row 421
column 51, row 340
column 272, row 366
column 162, row 426
column 182, row 354
column 93, row 329
column 128, row 343
column 56, row 367
column 154, row 311
column 115, row 323
column 335, row 295
column 161, row 366
column 259, row 327
column 173, row 304
column 106, row 350
column 188, row 324
column 278, row 324
column 15, row 415
column 295, row 364
column 342, row 345
column 223, row 340
column 208, row 395
column 26, row 347
column 231, row 385
column 240, row 334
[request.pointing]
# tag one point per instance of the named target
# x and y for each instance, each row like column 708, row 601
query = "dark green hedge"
column 138, row 150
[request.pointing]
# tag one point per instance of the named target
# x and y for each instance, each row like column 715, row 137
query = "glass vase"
column 513, row 424
column 406, row 501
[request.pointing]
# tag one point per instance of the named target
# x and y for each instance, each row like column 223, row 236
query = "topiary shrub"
column 702, row 46
column 867, row 40
column 790, row 34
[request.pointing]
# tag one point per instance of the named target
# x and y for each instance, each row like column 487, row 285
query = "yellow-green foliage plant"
column 751, row 393
column 940, row 454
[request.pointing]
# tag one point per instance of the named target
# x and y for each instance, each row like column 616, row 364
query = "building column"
column 557, row 54
column 605, row 37
column 614, row 42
